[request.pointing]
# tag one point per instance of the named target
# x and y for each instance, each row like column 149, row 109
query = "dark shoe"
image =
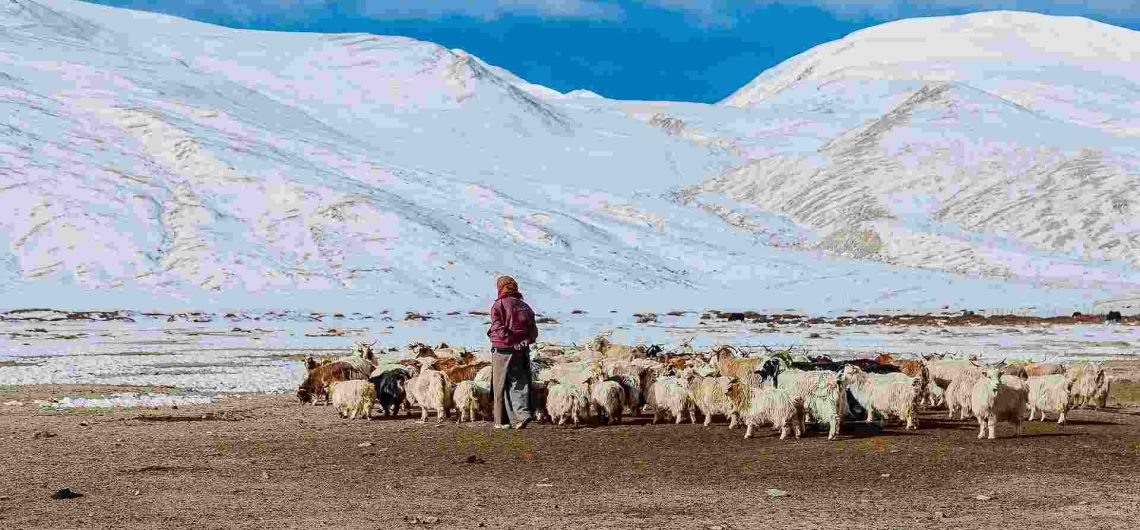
column 522, row 424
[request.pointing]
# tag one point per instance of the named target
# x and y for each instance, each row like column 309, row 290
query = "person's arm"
column 498, row 329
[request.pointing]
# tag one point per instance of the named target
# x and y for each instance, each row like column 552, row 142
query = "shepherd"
column 513, row 330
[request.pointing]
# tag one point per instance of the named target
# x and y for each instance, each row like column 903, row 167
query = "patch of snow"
column 128, row 400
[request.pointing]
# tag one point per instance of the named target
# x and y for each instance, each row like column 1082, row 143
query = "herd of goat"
column 605, row 380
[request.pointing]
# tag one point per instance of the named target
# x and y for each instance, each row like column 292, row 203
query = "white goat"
column 959, row 394
column 1100, row 399
column 888, row 394
column 472, row 397
column 567, row 401
column 362, row 357
column 997, row 398
column 823, row 393
column 710, row 395
column 666, row 396
column 1049, row 393
column 943, row 371
column 430, row 390
column 353, row 398
column 1086, row 379
column 759, row 406
column 608, row 399
column 577, row 372
column 629, row 374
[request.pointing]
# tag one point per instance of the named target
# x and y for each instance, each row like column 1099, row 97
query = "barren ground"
column 261, row 461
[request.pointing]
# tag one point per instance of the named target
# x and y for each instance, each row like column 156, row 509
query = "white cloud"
column 489, row 9
column 246, row 10
column 705, row 12
column 721, row 11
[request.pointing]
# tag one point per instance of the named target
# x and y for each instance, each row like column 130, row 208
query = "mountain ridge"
column 192, row 164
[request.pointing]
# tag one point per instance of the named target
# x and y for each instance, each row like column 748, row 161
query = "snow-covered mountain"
column 150, row 161
column 1003, row 143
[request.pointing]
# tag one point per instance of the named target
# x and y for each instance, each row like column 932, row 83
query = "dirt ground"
column 262, row 461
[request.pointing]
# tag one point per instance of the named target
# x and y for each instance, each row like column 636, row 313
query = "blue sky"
column 698, row 50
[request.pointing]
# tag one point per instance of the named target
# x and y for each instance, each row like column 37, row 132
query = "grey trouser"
column 510, row 380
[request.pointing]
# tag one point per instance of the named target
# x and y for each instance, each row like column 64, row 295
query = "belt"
column 511, row 350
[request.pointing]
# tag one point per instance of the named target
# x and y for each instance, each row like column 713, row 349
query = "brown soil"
column 265, row 462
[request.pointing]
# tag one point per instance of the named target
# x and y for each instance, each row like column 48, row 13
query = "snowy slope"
column 997, row 143
column 148, row 161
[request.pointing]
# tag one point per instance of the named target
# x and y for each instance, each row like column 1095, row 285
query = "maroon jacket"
column 512, row 323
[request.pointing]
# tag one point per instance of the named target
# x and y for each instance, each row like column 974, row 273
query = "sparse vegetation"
column 86, row 395
column 1040, row 427
column 1124, row 393
column 877, row 444
column 1109, row 344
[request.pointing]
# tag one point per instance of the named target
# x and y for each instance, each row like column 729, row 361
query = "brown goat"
column 738, row 394
column 1015, row 370
column 463, row 372
column 318, row 377
column 444, row 364
column 1038, row 369
column 742, row 369
column 676, row 363
column 909, row 367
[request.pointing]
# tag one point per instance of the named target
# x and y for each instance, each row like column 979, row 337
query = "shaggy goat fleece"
column 1101, row 397
column 1086, row 379
column 1038, row 369
column 959, row 394
column 896, row 395
column 743, row 370
column 823, row 393
column 943, row 371
column 608, row 400
column 353, row 398
column 567, row 401
column 770, row 406
column 471, row 398
column 666, row 396
column 710, row 394
column 389, row 381
column 431, row 391
column 996, row 399
column 318, row 377
column 1049, row 393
